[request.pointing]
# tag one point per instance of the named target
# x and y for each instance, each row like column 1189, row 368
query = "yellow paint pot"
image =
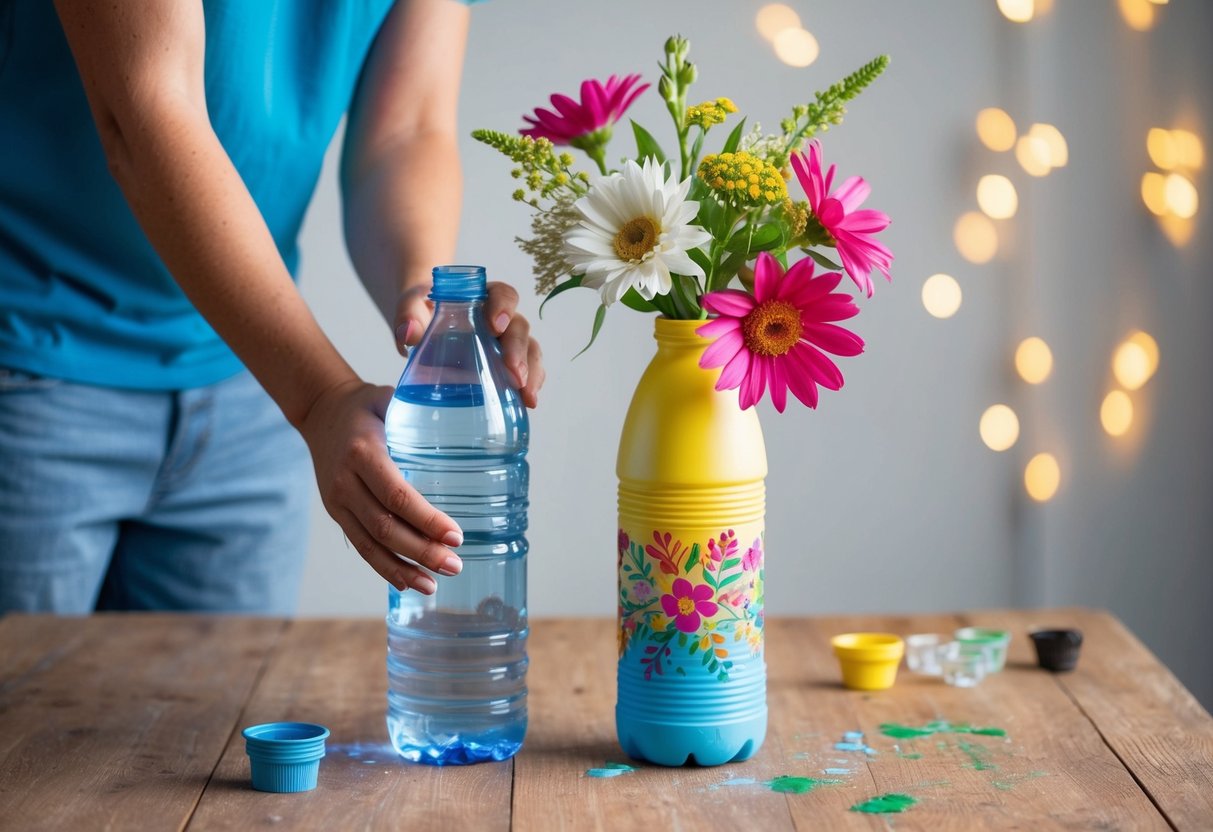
column 869, row 660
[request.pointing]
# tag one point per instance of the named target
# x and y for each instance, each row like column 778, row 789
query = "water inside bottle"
column 457, row 659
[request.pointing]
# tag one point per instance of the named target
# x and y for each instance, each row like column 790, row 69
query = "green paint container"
column 996, row 643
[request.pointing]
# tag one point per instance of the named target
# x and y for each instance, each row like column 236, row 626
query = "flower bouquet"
column 707, row 242
column 690, row 235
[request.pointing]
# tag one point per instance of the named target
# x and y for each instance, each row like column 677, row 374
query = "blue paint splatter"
column 837, row 771
column 610, row 770
column 853, row 741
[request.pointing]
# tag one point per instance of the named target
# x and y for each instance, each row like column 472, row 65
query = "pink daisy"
column 853, row 229
column 601, row 105
column 776, row 336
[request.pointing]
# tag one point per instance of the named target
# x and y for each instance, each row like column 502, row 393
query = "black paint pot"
column 1057, row 650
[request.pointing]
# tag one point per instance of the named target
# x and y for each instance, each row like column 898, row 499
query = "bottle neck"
column 459, row 284
column 679, row 336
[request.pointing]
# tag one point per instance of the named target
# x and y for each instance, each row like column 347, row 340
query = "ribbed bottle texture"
column 692, row 464
column 458, row 432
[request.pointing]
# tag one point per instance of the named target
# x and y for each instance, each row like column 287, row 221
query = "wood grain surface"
column 132, row 721
column 121, row 721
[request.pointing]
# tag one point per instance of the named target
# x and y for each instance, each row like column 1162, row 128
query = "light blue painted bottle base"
column 691, row 719
column 679, row 745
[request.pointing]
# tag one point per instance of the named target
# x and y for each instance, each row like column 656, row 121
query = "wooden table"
column 133, row 722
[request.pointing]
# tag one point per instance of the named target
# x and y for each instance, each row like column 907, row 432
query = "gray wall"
column 885, row 499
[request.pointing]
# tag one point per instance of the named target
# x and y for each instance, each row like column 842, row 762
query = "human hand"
column 521, row 352
column 391, row 525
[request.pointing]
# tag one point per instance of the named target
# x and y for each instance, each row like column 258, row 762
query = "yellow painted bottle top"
column 680, row 430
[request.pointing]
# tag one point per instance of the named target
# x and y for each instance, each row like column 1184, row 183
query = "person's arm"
column 142, row 68
column 401, row 178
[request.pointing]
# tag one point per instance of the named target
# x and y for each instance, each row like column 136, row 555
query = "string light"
column 1058, row 152
column 1148, row 345
column 1189, row 149
column 796, row 47
column 1180, row 196
column 1160, row 144
column 1138, row 14
column 1033, row 155
column 1132, row 365
column 1153, row 193
column 941, row 295
column 997, row 197
column 1042, row 477
column 1033, row 360
column 773, row 18
column 996, row 129
column 1116, row 413
column 1017, row 11
column 999, row 427
column 976, row 237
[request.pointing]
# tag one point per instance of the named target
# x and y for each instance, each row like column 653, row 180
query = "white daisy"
column 634, row 232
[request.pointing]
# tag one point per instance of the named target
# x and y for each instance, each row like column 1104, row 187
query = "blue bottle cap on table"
column 285, row 756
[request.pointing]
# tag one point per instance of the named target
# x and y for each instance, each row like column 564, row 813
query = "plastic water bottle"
column 457, row 430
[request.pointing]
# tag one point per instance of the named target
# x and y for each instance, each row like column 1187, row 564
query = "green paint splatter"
column 903, row 732
column 884, row 804
column 908, row 732
column 977, row 754
column 797, row 785
column 909, row 756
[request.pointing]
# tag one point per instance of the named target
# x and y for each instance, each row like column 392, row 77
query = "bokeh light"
column 1138, row 14
column 1017, row 11
column 996, row 129
column 1058, row 151
column 1161, row 147
column 1153, row 193
column 796, row 47
column 1116, row 413
column 999, row 427
column 1180, row 196
column 976, row 237
column 1033, row 155
column 997, row 197
column 1147, row 343
column 773, row 18
column 1033, row 360
column 941, row 295
column 1042, row 477
column 1189, row 149
column 1131, row 365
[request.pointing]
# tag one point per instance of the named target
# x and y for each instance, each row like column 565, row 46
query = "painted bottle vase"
column 692, row 464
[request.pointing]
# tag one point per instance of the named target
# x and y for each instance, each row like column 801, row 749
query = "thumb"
column 413, row 313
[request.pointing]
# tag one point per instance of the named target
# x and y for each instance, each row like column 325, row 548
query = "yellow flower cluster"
column 743, row 179
column 710, row 112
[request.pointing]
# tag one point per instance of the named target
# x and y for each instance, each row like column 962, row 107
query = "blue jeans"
column 117, row 499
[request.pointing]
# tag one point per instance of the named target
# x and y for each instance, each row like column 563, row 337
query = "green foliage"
column 827, row 108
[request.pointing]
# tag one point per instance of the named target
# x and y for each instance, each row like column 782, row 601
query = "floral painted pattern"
column 703, row 600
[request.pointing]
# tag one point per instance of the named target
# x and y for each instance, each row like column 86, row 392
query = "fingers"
column 397, row 572
column 535, row 374
column 391, row 532
column 515, row 349
column 413, row 313
column 501, row 306
column 390, row 499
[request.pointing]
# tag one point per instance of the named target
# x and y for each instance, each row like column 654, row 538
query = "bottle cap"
column 285, row 756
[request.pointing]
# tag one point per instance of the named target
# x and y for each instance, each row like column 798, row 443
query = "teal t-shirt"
column 83, row 296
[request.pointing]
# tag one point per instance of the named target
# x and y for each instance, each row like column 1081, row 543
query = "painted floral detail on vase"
column 703, row 599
